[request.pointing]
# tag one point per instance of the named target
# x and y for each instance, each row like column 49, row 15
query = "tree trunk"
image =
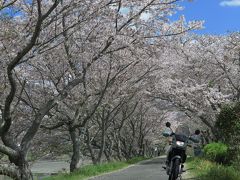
column 108, row 150
column 119, row 152
column 76, row 156
column 25, row 171
column 103, row 142
column 140, row 144
column 118, row 145
column 214, row 132
column 94, row 161
column 144, row 150
column 107, row 155
column 21, row 171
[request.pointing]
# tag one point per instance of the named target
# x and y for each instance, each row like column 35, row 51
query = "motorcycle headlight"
column 180, row 143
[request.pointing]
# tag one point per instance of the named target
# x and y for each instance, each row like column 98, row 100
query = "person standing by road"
column 197, row 146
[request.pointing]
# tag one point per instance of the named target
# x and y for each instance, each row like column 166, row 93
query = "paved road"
column 146, row 170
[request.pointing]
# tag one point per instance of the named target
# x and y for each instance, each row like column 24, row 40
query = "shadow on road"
column 159, row 161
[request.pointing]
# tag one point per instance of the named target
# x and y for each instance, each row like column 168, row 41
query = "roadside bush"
column 216, row 152
column 207, row 170
column 223, row 173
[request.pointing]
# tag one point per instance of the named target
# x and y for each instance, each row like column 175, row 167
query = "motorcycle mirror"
column 168, row 124
column 197, row 132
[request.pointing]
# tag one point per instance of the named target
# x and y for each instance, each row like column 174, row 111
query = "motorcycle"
column 177, row 154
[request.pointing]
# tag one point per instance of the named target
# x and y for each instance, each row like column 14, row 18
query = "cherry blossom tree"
column 202, row 75
column 50, row 52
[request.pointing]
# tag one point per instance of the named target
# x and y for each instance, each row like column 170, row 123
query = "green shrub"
column 228, row 131
column 216, row 152
column 222, row 173
column 206, row 170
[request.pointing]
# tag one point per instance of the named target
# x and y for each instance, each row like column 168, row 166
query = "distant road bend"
column 145, row 170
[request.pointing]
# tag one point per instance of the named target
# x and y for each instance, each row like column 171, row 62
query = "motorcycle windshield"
column 182, row 133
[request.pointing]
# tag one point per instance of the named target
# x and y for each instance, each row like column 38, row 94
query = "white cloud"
column 230, row 3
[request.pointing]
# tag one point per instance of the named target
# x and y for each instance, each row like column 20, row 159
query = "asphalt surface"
column 145, row 170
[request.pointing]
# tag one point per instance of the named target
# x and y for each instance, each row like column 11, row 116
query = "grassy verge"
column 94, row 170
column 206, row 170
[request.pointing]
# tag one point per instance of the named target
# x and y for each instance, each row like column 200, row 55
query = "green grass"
column 94, row 170
column 206, row 170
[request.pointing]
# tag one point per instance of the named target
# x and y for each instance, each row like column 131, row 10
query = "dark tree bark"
column 76, row 144
column 119, row 151
column 103, row 141
column 17, row 154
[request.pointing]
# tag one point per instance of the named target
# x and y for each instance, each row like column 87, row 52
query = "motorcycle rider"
column 181, row 129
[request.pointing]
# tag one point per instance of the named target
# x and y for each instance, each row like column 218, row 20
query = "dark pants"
column 197, row 151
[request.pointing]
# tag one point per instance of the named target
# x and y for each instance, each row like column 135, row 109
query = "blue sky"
column 220, row 16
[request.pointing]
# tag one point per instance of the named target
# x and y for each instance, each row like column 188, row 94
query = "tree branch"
column 3, row 5
column 58, row 125
column 6, row 150
column 6, row 113
column 43, row 111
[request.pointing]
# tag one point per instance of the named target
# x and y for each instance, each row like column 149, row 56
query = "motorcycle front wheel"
column 174, row 170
